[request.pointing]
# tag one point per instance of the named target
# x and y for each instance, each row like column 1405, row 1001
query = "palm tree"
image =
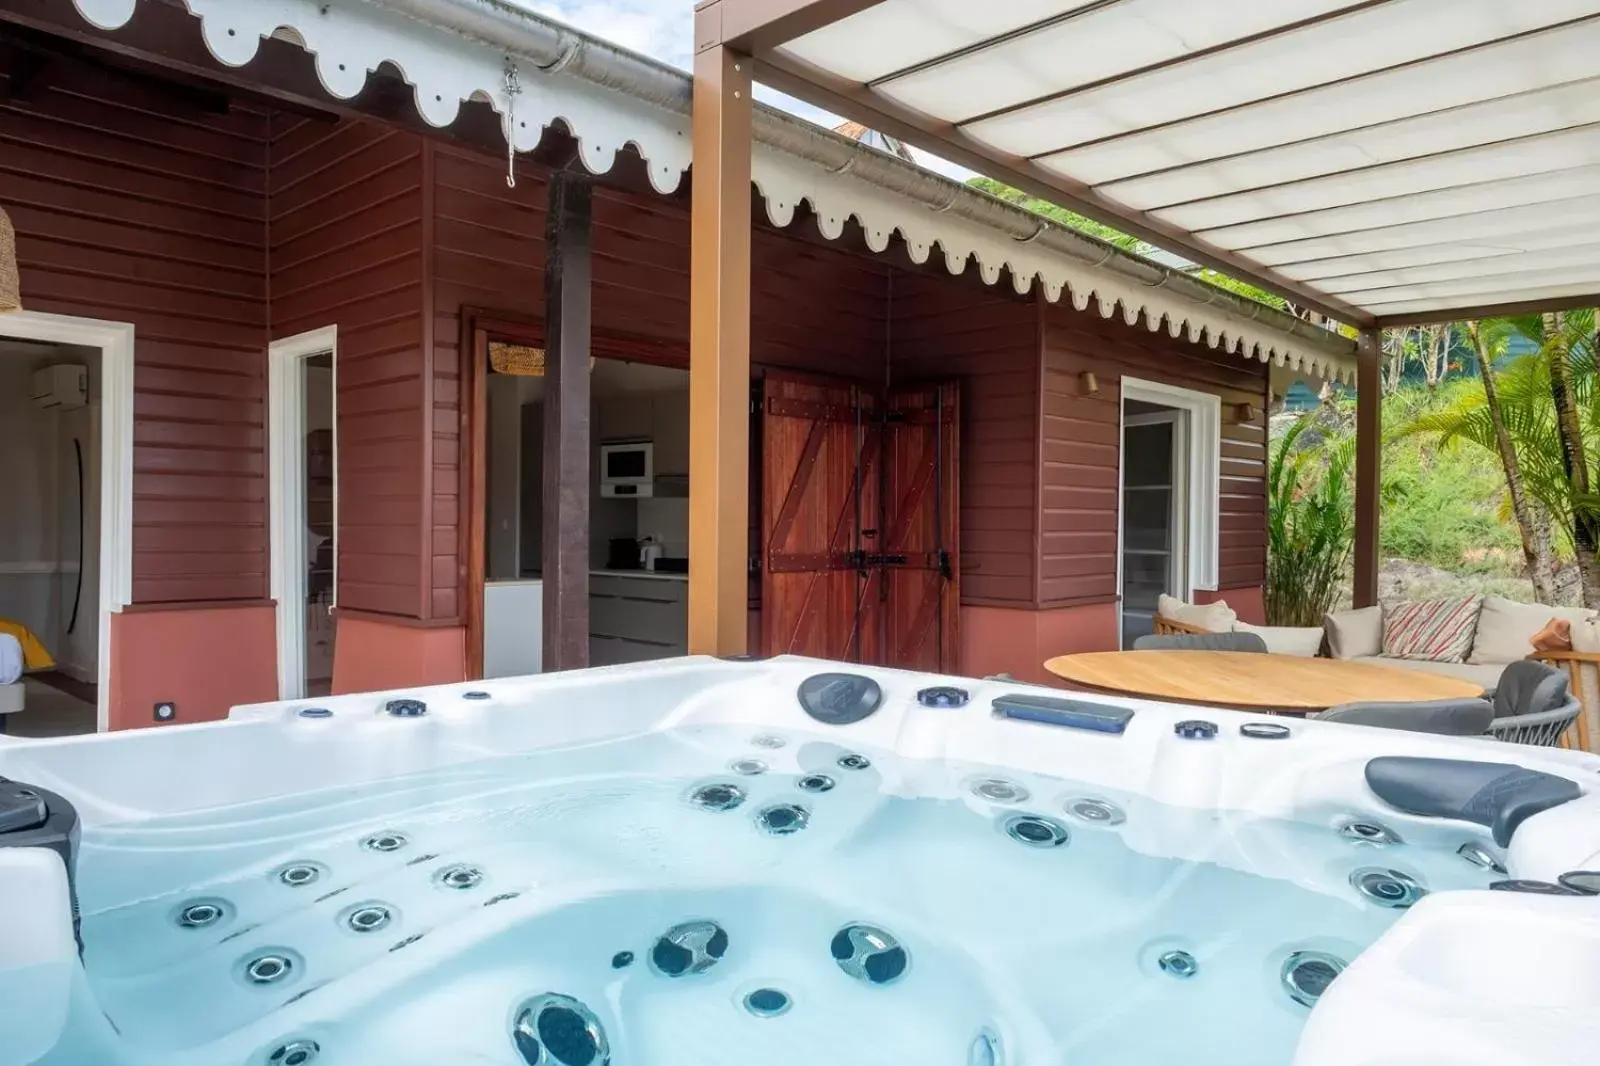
column 1540, row 414
column 1490, row 341
column 1557, row 352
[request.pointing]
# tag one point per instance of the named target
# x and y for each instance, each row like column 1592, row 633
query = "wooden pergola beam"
column 1369, row 465
column 1495, row 310
column 719, row 355
column 747, row 25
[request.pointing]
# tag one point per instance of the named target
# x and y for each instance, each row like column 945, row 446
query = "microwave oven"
column 627, row 468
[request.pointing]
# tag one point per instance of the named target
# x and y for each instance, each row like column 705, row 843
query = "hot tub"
column 791, row 862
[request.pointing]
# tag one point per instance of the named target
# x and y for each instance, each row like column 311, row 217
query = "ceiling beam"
column 747, row 26
column 821, row 89
column 1477, row 311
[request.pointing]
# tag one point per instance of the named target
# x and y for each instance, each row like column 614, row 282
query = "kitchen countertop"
column 658, row 575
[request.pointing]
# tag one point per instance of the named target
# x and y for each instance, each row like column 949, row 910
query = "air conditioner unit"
column 61, row 387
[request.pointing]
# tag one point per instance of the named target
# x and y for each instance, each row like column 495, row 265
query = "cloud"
column 664, row 30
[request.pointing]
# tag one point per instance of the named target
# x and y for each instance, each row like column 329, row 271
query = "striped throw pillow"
column 1439, row 631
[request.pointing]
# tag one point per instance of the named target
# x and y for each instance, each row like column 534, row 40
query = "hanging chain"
column 513, row 90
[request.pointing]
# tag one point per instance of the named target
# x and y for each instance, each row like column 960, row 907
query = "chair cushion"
column 1304, row 641
column 1530, row 687
column 1354, row 634
column 1451, row 718
column 1439, row 631
column 1486, row 675
column 1215, row 617
column 1506, row 628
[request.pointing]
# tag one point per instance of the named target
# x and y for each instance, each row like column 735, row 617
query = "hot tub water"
column 780, row 906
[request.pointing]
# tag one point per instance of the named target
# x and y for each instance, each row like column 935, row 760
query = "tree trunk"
column 1534, row 528
column 1573, row 461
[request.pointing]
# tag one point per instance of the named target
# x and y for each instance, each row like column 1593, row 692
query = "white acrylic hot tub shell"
column 1424, row 994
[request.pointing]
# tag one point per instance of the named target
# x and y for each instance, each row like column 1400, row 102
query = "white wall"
column 39, row 520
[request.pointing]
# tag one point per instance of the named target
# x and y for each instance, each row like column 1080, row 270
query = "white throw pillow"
column 1304, row 641
column 1354, row 634
column 1506, row 628
column 1215, row 617
column 1586, row 635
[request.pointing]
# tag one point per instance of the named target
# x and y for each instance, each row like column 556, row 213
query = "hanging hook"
column 513, row 90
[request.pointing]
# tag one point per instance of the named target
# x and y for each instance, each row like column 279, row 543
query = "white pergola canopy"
column 1382, row 160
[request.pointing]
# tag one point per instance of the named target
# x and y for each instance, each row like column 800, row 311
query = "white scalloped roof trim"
column 351, row 38
column 837, row 196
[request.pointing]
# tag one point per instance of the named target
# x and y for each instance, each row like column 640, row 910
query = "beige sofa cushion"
column 1354, row 634
column 1586, row 635
column 1215, row 617
column 1486, row 675
column 1505, row 628
column 1286, row 640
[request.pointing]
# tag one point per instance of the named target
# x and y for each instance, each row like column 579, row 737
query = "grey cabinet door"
column 632, row 619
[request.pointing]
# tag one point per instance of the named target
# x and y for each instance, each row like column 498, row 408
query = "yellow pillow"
column 34, row 655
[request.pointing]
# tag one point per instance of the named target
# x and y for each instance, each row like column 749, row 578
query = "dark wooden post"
column 1369, row 463
column 719, row 353
column 566, row 425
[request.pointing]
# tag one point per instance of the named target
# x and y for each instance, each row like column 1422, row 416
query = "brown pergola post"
column 719, row 352
column 566, row 425
column 1369, row 451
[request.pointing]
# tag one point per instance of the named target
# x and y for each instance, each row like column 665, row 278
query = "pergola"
column 1382, row 162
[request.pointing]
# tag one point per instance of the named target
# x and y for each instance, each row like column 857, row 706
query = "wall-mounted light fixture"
column 1090, row 383
column 1244, row 413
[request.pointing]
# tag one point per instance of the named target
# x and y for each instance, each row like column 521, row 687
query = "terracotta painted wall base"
column 371, row 656
column 204, row 660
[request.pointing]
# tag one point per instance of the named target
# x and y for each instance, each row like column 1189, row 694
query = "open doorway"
column 638, row 536
column 50, row 536
column 1168, row 499
column 303, row 446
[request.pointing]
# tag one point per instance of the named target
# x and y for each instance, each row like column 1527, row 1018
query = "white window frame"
column 116, row 343
column 1201, row 492
column 287, row 493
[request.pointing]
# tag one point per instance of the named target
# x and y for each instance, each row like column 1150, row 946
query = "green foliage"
column 1310, row 522
column 1444, row 505
column 1242, row 288
column 1070, row 219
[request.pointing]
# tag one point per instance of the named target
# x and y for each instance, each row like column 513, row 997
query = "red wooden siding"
column 1078, row 539
column 346, row 250
column 134, row 205
column 949, row 327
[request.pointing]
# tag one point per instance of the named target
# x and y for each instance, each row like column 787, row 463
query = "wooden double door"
column 858, row 521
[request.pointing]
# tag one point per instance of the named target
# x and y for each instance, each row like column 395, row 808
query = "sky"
column 664, row 30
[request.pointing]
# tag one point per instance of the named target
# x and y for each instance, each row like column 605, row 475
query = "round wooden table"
column 1289, row 684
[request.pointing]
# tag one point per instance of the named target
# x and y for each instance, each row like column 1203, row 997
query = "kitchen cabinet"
column 662, row 418
column 637, row 618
